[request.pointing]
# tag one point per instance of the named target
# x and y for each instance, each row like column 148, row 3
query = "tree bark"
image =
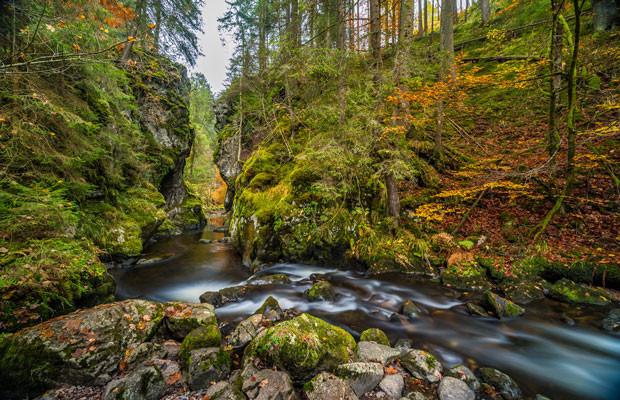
column 375, row 34
column 485, row 10
column 392, row 198
column 447, row 71
column 425, row 17
column 420, row 23
column 553, row 135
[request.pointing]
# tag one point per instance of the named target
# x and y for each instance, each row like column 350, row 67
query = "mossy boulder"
column 571, row 292
column 422, row 365
column 465, row 276
column 501, row 307
column 375, row 335
column 78, row 348
column 201, row 337
column 303, row 346
column 182, row 318
column 527, row 291
column 206, row 366
column 321, row 290
column 144, row 383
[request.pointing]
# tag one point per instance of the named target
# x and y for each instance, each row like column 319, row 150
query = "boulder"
column 213, row 298
column 201, row 337
column 270, row 309
column 142, row 384
column 392, row 385
column 611, row 323
column 476, row 310
column 326, row 386
column 272, row 279
column 422, row 365
column 268, row 384
column 501, row 307
column 375, row 335
column 223, row 390
column 374, row 352
column 247, row 330
column 463, row 373
column 83, row 347
column 526, row 292
column 182, row 318
column 205, row 366
column 144, row 351
column 361, row 376
column 465, row 275
column 410, row 309
column 321, row 290
column 403, row 344
column 454, row 389
column 571, row 292
column 303, row 346
column 504, row 385
column 224, row 296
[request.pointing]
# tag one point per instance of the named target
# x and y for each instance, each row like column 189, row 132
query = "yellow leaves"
column 76, row 47
column 434, row 212
column 152, row 25
column 497, row 186
column 82, row 17
column 104, row 29
column 131, row 39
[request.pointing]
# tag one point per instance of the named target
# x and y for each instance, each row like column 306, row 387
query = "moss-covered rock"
column 302, row 346
column 201, row 337
column 571, row 292
column 321, row 290
column 206, row 366
column 501, row 307
column 375, row 335
column 77, row 348
column 182, row 318
column 465, row 276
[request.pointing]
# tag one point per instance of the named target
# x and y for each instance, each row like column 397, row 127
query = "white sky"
column 217, row 55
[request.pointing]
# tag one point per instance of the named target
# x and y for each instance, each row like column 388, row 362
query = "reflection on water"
column 541, row 353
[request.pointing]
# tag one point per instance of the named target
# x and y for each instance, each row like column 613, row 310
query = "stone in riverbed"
column 272, row 279
column 321, row 290
column 611, row 323
column 476, row 310
column 201, row 337
column 143, row 384
column 326, row 386
column 268, row 384
column 224, row 296
column 361, row 376
column 526, row 292
column 410, row 309
column 247, row 330
column 302, row 346
column 270, row 309
column 223, row 390
column 392, row 385
column 502, row 383
column 206, row 366
column 422, row 365
column 465, row 274
column 501, row 307
column 182, row 318
column 375, row 335
column 454, row 389
column 374, row 352
column 571, row 292
column 463, row 373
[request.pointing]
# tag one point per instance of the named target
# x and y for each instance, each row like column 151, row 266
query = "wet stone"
column 374, row 352
column 143, row 384
column 422, row 365
column 454, row 389
column 326, row 386
column 362, row 376
column 392, row 385
column 466, row 375
column 502, row 383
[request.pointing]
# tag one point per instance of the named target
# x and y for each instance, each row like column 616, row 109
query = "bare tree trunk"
column 262, row 37
column 485, row 10
column 295, row 24
column 342, row 47
column 447, row 71
column 420, row 23
column 553, row 135
column 432, row 16
column 375, row 35
column 392, row 198
column 140, row 10
column 425, row 17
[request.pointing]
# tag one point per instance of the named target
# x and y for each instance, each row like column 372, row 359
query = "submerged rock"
column 502, row 383
column 501, row 307
column 410, row 309
column 422, row 365
column 321, row 290
column 611, row 323
column 326, row 386
column 374, row 352
column 571, row 292
column 268, row 384
column 375, row 335
column 273, row 279
column 476, row 310
column 454, row 389
column 362, row 376
column 206, row 366
column 143, row 384
column 303, row 346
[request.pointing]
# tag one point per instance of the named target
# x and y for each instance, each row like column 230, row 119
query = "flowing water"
column 539, row 350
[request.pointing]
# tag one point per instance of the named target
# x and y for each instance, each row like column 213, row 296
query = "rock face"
column 454, row 389
column 502, row 383
column 87, row 346
column 362, row 376
column 422, row 365
column 303, row 346
column 501, row 307
column 326, row 386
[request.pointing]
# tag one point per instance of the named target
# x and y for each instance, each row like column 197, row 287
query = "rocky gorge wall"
column 99, row 175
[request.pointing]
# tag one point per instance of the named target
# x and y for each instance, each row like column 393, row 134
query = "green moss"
column 375, row 335
column 321, row 290
column 465, row 276
column 467, row 244
column 568, row 291
column 302, row 346
column 201, row 337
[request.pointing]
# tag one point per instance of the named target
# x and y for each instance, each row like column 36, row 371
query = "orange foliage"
column 121, row 14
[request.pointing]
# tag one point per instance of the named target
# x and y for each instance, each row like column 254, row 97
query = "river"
column 539, row 350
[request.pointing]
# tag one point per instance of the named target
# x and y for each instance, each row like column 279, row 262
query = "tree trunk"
column 425, row 17
column 393, row 202
column 553, row 135
column 295, row 24
column 605, row 14
column 485, row 10
column 447, row 71
column 572, row 97
column 157, row 32
column 375, row 34
column 406, row 21
column 420, row 23
column 262, row 36
column 137, row 26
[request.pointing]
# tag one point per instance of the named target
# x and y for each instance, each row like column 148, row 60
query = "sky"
column 214, row 63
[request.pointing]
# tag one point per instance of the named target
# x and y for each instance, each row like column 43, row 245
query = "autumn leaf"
column 131, row 38
column 391, row 371
column 174, row 378
column 152, row 25
column 76, row 47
